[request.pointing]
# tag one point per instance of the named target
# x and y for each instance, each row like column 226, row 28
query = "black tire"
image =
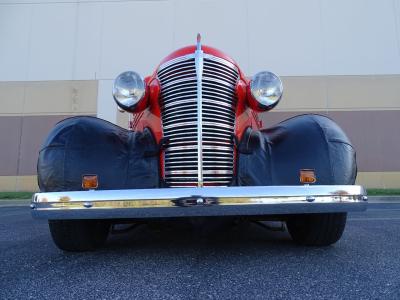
column 317, row 229
column 79, row 235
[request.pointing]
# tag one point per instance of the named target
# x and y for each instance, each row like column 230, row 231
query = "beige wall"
column 385, row 180
column 19, row 183
column 28, row 112
column 366, row 107
column 48, row 98
column 354, row 93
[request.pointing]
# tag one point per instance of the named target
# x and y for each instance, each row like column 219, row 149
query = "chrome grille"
column 179, row 117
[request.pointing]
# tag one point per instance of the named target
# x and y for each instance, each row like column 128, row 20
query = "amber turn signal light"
column 307, row 176
column 90, row 182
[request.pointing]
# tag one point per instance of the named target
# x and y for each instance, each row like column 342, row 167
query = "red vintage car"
column 195, row 149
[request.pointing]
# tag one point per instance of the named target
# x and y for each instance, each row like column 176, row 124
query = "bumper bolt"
column 87, row 204
column 310, row 198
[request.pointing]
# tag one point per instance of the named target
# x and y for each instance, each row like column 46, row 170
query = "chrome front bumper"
column 192, row 202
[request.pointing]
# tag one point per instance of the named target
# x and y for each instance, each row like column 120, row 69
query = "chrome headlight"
column 266, row 88
column 128, row 89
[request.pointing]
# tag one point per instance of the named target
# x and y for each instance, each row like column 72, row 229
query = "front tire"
column 79, row 235
column 317, row 229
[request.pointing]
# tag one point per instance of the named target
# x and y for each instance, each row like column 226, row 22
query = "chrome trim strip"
column 215, row 164
column 182, row 65
column 176, row 103
column 219, row 125
column 176, row 181
column 199, row 57
column 189, row 110
column 207, row 177
column 180, row 124
column 206, row 201
column 211, row 114
column 171, row 77
column 181, row 85
column 180, row 100
column 179, row 184
column 219, row 106
column 206, row 147
column 230, row 85
column 183, row 91
column 212, row 70
column 207, row 134
column 215, row 93
column 180, row 162
column 178, row 120
column 173, row 142
column 217, row 102
column 186, row 79
column 175, row 60
column 218, row 86
column 222, row 61
column 180, row 131
column 190, row 172
column 177, row 95
column 193, row 155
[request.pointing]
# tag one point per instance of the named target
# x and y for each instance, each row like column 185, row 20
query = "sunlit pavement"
column 171, row 261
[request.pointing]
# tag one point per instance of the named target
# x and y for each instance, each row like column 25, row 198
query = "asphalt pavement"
column 174, row 261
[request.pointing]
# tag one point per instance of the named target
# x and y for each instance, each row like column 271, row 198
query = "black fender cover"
column 276, row 155
column 81, row 145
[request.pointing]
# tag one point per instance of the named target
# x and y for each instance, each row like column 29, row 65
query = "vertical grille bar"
column 179, row 112
column 198, row 61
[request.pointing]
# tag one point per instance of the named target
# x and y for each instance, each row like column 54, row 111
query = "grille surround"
column 178, row 104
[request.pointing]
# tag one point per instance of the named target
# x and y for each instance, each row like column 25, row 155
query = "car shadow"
column 203, row 234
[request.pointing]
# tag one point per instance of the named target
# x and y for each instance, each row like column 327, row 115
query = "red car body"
column 148, row 114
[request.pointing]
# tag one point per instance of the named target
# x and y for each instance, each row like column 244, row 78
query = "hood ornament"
column 198, row 42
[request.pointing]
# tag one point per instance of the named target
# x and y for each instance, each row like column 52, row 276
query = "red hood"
column 207, row 49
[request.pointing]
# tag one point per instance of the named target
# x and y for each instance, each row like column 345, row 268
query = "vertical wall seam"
column 28, row 52
column 22, row 117
column 174, row 8
column 75, row 48
column 396, row 12
column 248, row 37
column 19, row 157
column 99, row 75
column 324, row 63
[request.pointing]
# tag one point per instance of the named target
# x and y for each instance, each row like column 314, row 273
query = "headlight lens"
column 267, row 89
column 129, row 88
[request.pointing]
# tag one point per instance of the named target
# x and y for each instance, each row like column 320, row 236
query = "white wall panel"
column 396, row 13
column 88, row 41
column 52, row 42
column 222, row 24
column 285, row 37
column 66, row 1
column 106, row 107
column 14, row 41
column 37, row 1
column 360, row 37
column 135, row 36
